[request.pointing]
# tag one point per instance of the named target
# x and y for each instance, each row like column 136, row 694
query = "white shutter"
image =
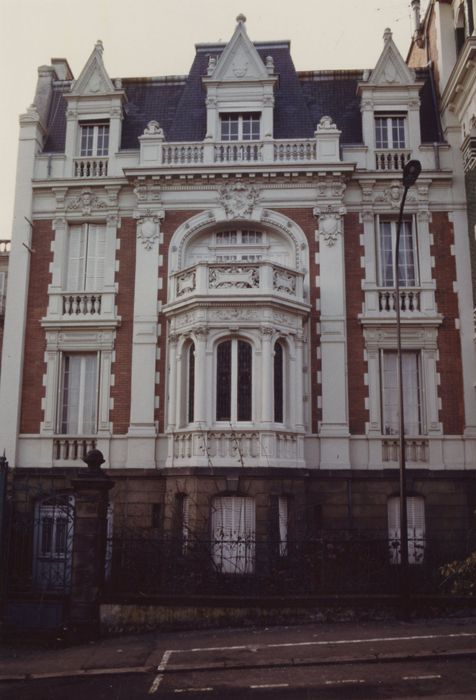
column 233, row 526
column 415, row 529
column 3, row 280
column 283, row 525
column 76, row 258
column 96, row 257
column 411, row 393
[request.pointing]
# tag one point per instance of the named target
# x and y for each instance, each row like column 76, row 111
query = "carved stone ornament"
column 86, row 202
column 392, row 195
column 326, row 124
column 153, row 128
column 147, row 192
column 330, row 223
column 240, row 70
column 148, row 230
column 238, row 199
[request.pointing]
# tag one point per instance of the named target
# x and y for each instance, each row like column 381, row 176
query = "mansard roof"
column 301, row 99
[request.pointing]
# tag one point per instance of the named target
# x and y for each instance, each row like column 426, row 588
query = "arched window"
column 234, row 381
column 191, row 383
column 233, row 534
column 278, row 383
column 416, row 529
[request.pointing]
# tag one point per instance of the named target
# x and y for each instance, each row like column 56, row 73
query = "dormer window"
column 390, row 131
column 94, row 140
column 240, row 127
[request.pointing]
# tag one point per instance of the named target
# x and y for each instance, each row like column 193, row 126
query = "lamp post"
column 411, row 172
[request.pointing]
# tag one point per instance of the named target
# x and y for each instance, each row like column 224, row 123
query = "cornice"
column 463, row 72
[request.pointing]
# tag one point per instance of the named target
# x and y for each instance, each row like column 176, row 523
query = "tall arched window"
column 234, row 381
column 278, row 383
column 191, row 383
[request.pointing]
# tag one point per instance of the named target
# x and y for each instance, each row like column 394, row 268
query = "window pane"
column 406, row 257
column 75, row 278
column 223, row 395
column 103, row 140
column 386, row 254
column 250, row 127
column 229, row 127
column 398, row 132
column 87, row 136
column 96, row 253
column 278, row 383
column 244, row 381
column 411, row 394
column 79, row 395
column 381, row 136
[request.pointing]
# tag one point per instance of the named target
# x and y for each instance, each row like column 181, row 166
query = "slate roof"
column 301, row 99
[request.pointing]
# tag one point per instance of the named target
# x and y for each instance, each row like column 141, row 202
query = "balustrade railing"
column 294, row 151
column 66, row 448
column 182, row 153
column 416, row 450
column 392, row 159
column 81, row 304
column 90, row 167
column 5, row 247
column 238, row 152
column 242, row 277
column 409, row 300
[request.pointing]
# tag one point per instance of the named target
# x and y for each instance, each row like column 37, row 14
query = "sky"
column 157, row 37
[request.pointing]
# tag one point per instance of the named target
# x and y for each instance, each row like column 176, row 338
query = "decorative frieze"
column 233, row 277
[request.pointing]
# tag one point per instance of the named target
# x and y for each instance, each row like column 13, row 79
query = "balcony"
column 74, row 308
column 285, row 151
column 409, row 300
column 237, row 278
column 392, row 159
column 416, row 450
column 229, row 447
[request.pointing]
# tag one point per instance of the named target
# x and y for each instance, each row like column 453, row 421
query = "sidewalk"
column 317, row 643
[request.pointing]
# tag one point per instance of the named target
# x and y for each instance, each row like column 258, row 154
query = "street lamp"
column 411, row 172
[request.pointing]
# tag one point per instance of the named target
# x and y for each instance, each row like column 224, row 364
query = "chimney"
column 416, row 18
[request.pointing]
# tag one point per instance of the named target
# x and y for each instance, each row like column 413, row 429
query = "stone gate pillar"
column 91, row 489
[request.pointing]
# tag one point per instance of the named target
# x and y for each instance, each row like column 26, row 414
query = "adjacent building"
column 206, row 294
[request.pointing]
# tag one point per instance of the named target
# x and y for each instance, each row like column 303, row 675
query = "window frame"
column 63, row 407
column 390, row 427
column 248, row 126
column 388, row 119
column 416, row 541
column 235, row 404
column 94, row 139
column 233, row 554
column 88, row 279
column 382, row 220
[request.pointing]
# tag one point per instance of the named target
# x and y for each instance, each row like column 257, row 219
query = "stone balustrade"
column 229, row 447
column 67, row 448
column 263, row 277
column 409, row 299
column 90, row 167
column 392, row 159
column 416, row 450
column 5, row 246
column 81, row 304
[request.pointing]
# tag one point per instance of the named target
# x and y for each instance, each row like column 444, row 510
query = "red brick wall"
column 34, row 366
column 449, row 345
column 122, row 367
column 356, row 366
column 168, row 227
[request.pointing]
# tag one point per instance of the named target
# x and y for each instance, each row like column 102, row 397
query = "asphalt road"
column 292, row 664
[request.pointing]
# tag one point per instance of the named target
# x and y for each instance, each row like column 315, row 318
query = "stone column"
column 91, row 490
column 267, row 373
column 201, row 382
column 298, row 378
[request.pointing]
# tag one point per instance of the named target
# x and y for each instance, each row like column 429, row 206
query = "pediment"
column 240, row 60
column 391, row 69
column 93, row 79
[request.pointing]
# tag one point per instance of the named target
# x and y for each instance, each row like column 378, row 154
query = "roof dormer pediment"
column 93, row 80
column 391, row 69
column 240, row 61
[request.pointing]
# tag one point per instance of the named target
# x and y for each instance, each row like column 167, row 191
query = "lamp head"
column 411, row 172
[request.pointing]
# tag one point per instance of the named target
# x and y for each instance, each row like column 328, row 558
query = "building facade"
column 207, row 295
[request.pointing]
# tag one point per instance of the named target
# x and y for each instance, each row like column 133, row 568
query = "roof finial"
column 387, row 35
column 99, row 46
column 241, row 19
